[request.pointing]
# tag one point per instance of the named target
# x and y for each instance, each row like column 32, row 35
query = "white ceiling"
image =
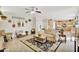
column 21, row 9
column 46, row 10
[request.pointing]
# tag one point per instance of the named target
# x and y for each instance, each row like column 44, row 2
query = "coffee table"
column 40, row 39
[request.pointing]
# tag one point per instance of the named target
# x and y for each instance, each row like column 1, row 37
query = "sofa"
column 8, row 34
column 49, row 34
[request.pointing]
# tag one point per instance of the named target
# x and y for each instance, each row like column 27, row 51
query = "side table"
column 62, row 36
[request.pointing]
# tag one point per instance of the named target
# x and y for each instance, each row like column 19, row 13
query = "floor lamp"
column 75, row 42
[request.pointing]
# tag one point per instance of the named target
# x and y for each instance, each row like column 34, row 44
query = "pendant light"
column 2, row 17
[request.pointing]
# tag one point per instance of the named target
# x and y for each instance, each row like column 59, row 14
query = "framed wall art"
column 9, row 21
column 19, row 24
column 13, row 25
column 29, row 20
column 22, row 24
column 26, row 21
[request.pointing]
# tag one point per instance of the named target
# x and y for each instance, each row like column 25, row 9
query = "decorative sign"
column 15, row 17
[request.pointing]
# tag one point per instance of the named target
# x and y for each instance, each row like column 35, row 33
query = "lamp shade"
column 3, row 17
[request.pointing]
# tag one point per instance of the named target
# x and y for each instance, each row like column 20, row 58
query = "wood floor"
column 16, row 46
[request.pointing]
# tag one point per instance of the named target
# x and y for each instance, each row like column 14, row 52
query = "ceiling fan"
column 32, row 10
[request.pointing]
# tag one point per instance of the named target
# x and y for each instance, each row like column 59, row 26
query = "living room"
column 39, row 28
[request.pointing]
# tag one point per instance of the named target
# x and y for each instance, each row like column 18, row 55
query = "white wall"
column 65, row 14
column 8, row 26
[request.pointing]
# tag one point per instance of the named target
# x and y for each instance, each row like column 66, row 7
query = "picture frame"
column 22, row 24
column 29, row 20
column 26, row 21
column 9, row 21
column 19, row 24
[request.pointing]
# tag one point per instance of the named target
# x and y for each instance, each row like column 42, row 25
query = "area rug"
column 44, row 46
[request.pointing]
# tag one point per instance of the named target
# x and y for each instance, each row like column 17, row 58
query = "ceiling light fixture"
column 32, row 10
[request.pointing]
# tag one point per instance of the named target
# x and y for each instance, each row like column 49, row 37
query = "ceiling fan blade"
column 27, row 9
column 30, row 9
column 38, row 11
